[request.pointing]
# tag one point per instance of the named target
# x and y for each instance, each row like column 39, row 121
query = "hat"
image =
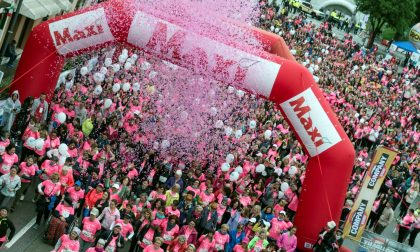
column 282, row 212
column 275, row 146
column 118, row 225
column 101, row 185
column 245, row 240
column 76, row 230
column 178, row 172
column 116, row 186
column 331, row 224
column 94, row 211
column 129, row 216
column 78, row 183
column 252, row 220
column 101, row 241
column 266, row 224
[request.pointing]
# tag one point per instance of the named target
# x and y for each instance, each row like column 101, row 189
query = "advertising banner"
column 374, row 177
column 375, row 243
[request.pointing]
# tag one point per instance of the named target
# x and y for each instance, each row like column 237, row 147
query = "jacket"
column 386, row 216
column 108, row 235
column 9, row 187
column 5, row 224
column 35, row 106
column 205, row 222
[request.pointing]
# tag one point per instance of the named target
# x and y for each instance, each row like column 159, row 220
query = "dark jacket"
column 205, row 222
column 108, row 235
column 5, row 224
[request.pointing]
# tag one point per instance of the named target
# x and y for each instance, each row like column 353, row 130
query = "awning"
column 406, row 46
column 36, row 9
column 65, row 5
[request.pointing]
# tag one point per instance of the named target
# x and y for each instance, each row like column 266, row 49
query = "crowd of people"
column 101, row 184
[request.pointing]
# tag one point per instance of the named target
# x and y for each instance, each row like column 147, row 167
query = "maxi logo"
column 303, row 113
column 202, row 54
column 66, row 36
column 359, row 218
column 378, row 171
column 80, row 31
column 311, row 123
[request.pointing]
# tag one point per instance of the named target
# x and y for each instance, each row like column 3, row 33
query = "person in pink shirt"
column 90, row 227
column 277, row 227
column 62, row 217
column 68, row 243
column 4, row 142
column 288, row 241
column 170, row 229
column 222, row 238
column 242, row 247
column 76, row 193
column 9, row 158
column 207, row 196
column 49, row 167
column 405, row 225
column 127, row 230
column 155, row 247
column 26, row 174
column 98, row 248
column 46, row 189
column 206, row 243
column 172, row 209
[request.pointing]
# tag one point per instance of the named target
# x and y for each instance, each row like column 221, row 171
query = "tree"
column 398, row 14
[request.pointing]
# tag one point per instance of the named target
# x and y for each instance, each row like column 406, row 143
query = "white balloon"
column 97, row 90
column 31, row 142
column 260, row 168
column 239, row 169
column 280, row 194
column 124, row 52
column 134, row 56
column 122, row 58
column 62, row 160
column 319, row 60
column 234, row 176
column 277, row 30
column 39, row 143
column 104, row 70
column 152, row 74
column 356, row 67
column 264, row 173
column 231, row 89
column 136, row 87
column 116, row 67
column 225, row 167
column 116, row 87
column 284, row 186
column 272, row 28
column 213, row 111
column 98, row 77
column 62, row 149
column 306, row 54
column 219, row 124
column 292, row 170
column 240, row 93
column 108, row 62
column 278, row 171
column 126, row 87
column 229, row 158
column 145, row 66
column 267, row 134
column 311, row 70
column 61, row 117
column 238, row 134
column 165, row 144
column 84, row 71
column 293, row 52
column 228, row 131
column 292, row 32
column 316, row 79
column 107, row 103
column 252, row 124
column 127, row 66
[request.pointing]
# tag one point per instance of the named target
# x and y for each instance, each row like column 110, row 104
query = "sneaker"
column 22, row 197
column 36, row 226
column 33, row 200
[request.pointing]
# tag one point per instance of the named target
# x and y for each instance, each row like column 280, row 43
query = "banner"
column 374, row 177
column 376, row 243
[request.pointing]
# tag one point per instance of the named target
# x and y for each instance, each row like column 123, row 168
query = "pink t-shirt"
column 206, row 245
column 8, row 161
column 50, row 169
column 151, row 248
column 126, row 228
column 75, row 195
column 64, row 211
column 28, row 171
column 221, row 240
column 50, row 188
column 89, row 229
column 68, row 244
column 277, row 227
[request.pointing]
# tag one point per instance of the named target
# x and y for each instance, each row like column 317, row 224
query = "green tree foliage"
column 397, row 14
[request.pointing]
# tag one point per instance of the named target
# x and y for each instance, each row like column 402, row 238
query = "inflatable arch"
column 273, row 75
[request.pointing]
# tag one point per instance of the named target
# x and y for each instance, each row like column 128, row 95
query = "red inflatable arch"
column 279, row 79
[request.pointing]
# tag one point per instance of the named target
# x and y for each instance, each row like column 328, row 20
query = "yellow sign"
column 359, row 214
